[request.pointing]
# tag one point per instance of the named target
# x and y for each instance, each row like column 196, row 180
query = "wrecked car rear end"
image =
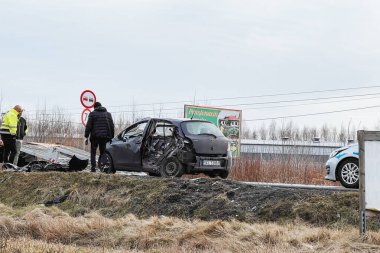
column 169, row 148
column 209, row 148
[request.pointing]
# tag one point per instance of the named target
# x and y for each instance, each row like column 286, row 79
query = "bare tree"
column 334, row 134
column 325, row 132
column 263, row 133
column 313, row 133
column 342, row 136
column 245, row 130
column 305, row 133
column 255, row 134
column 273, row 130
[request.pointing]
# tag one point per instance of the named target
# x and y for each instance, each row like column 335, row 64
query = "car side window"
column 163, row 131
column 135, row 131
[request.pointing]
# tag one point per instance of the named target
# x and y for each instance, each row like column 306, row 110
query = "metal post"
column 362, row 205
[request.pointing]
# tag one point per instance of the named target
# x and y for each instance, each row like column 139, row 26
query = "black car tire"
column 105, row 164
column 348, row 173
column 153, row 174
column 212, row 174
column 223, row 174
column 171, row 167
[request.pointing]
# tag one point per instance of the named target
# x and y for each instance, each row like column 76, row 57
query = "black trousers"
column 9, row 147
column 1, row 154
column 95, row 143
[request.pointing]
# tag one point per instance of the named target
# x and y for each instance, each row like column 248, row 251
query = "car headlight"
column 337, row 152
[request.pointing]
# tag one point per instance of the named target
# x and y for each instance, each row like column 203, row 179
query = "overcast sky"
column 145, row 51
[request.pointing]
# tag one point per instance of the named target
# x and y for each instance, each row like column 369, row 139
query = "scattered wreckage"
column 169, row 148
column 49, row 157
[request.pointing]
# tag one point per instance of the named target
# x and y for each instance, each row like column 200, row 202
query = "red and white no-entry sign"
column 88, row 99
column 85, row 114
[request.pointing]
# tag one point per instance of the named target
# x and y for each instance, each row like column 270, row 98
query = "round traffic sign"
column 85, row 114
column 88, row 98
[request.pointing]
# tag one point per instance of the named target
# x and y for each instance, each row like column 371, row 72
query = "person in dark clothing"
column 1, row 142
column 22, row 129
column 100, row 128
column 1, row 151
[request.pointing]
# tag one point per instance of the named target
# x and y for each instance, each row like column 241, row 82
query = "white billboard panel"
column 372, row 175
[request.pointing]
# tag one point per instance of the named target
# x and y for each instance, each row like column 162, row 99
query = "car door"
column 127, row 147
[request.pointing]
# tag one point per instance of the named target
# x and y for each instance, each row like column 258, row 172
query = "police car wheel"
column 348, row 173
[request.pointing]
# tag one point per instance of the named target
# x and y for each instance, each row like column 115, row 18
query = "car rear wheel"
column 223, row 174
column 105, row 164
column 153, row 174
column 171, row 167
column 211, row 175
column 348, row 173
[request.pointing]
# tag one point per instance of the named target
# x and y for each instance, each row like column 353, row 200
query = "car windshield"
column 200, row 128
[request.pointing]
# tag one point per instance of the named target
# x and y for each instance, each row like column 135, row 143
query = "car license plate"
column 211, row 163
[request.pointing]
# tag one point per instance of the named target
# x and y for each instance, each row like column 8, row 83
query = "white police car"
column 343, row 166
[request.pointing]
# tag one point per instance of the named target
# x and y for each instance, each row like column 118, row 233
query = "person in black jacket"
column 22, row 129
column 100, row 128
column 1, row 150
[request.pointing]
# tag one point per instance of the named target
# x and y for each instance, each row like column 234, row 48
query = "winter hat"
column 97, row 104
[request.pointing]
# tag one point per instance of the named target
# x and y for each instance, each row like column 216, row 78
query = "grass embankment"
column 102, row 213
column 115, row 196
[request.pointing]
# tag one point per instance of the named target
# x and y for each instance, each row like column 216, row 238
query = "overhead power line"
column 258, row 119
column 313, row 114
column 256, row 103
column 352, row 98
column 314, row 103
column 251, row 96
column 228, row 98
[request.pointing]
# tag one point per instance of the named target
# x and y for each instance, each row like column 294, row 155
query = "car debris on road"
column 49, row 157
column 75, row 164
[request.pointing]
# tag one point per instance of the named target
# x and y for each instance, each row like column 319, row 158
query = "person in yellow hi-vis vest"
column 8, row 131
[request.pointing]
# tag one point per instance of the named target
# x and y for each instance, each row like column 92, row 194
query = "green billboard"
column 227, row 120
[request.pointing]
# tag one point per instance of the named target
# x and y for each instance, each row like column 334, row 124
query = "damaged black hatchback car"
column 169, row 148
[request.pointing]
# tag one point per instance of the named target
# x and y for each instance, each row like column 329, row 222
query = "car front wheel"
column 105, row 164
column 348, row 173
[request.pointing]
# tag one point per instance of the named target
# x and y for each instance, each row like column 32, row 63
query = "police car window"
column 137, row 130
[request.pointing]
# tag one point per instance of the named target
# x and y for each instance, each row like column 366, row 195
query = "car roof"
column 175, row 120
column 180, row 120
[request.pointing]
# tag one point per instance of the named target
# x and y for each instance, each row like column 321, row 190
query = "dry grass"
column 51, row 230
column 292, row 169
